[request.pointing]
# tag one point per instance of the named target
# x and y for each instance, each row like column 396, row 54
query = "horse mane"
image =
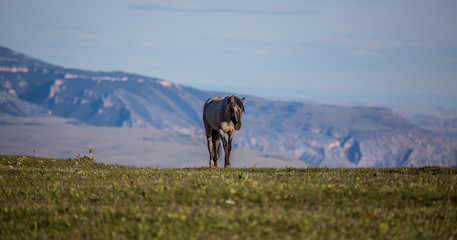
column 237, row 102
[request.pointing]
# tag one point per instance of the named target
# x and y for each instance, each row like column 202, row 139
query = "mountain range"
column 317, row 134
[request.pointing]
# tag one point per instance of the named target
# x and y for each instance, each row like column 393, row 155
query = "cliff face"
column 343, row 136
column 322, row 135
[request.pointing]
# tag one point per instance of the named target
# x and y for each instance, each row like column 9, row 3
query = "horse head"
column 236, row 109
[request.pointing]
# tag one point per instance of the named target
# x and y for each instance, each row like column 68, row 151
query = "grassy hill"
column 48, row 198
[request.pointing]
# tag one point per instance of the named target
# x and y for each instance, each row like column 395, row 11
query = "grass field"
column 45, row 198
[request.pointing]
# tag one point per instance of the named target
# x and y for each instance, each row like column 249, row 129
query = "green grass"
column 44, row 198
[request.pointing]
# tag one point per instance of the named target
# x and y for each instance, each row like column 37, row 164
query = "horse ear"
column 232, row 99
column 242, row 100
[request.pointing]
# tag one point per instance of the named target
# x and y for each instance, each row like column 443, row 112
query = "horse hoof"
column 228, row 166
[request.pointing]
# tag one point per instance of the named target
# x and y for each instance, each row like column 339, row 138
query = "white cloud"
column 182, row 7
column 363, row 53
column 85, row 37
column 255, row 50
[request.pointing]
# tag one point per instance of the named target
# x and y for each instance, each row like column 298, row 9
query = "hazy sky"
column 340, row 51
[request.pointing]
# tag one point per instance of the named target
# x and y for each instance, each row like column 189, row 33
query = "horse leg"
column 216, row 144
column 229, row 150
column 225, row 145
column 209, row 138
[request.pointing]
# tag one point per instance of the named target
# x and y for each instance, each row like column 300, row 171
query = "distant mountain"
column 343, row 136
column 444, row 126
column 322, row 135
column 100, row 98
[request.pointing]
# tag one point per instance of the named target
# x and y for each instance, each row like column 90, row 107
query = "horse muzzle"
column 238, row 126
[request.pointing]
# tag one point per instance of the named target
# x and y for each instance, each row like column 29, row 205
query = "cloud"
column 88, row 38
column 363, row 53
column 223, row 9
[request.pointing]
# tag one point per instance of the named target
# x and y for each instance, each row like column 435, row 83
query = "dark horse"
column 221, row 116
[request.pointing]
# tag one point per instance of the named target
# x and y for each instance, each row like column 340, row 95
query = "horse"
column 221, row 116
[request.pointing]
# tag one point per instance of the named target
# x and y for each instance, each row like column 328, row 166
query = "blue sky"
column 362, row 52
